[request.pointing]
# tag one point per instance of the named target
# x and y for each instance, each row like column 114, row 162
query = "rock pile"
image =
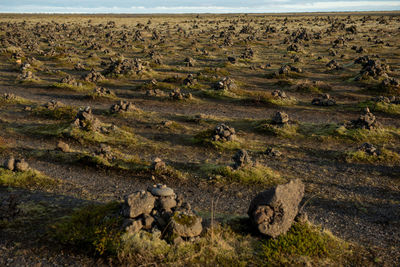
column 273, row 211
column 27, row 76
column 160, row 209
column 155, row 92
column 70, row 80
column 103, row 92
column 279, row 94
column 323, row 100
column 158, row 164
column 333, row 65
column 365, row 121
column 53, row 104
column 64, row 147
column 240, row 159
column 387, row 99
column 189, row 62
column 125, row 67
column 374, row 69
column 225, row 84
column 86, row 120
column 189, row 80
column 272, row 152
column 369, row 149
column 122, row 106
column 223, row 133
column 13, row 164
column 9, row 96
column 93, row 76
column 178, row 95
column 105, row 152
column 287, row 70
column 280, row 118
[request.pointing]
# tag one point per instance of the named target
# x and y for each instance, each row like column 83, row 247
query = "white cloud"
column 272, row 7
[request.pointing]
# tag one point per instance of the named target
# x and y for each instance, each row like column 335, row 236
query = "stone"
column 162, row 190
column 323, row 100
column 365, row 121
column 9, row 163
column 64, row 147
column 186, row 224
column 158, row 164
column 21, row 165
column 132, row 226
column 272, row 152
column 147, row 221
column 138, row 203
column 273, row 211
column 241, row 158
column 167, row 203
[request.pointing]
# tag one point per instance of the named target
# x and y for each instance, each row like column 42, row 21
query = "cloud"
column 179, row 6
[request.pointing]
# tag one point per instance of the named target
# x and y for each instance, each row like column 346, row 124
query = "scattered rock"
column 225, row 84
column 122, row 106
column 272, row 152
column 64, row 147
column 86, row 120
column 273, row 211
column 370, row 149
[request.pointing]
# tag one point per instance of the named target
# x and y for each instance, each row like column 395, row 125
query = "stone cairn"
column 9, row 96
column 71, row 81
column 160, row 209
column 103, row 92
column 225, row 84
column 323, row 100
column 178, row 95
column 53, row 104
column 122, row 106
column 369, row 149
column 241, row 159
column 387, row 99
column 13, row 164
column 93, row 76
column 223, row 133
column 365, row 121
column 86, row 120
column 280, row 118
column 273, row 211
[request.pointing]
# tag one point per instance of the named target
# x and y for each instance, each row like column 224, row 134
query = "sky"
column 187, row 6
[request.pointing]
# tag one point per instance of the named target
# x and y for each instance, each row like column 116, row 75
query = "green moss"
column 388, row 108
column 385, row 157
column 60, row 113
column 84, row 88
column 96, row 229
column 184, row 219
column 27, row 179
column 205, row 138
column 286, row 130
column 302, row 240
column 257, row 174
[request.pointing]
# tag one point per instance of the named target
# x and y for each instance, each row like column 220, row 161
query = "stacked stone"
column 224, row 133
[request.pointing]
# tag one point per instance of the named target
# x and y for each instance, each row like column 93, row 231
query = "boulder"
column 9, row 163
column 241, row 158
column 186, row 224
column 273, row 211
column 280, row 118
column 21, row 165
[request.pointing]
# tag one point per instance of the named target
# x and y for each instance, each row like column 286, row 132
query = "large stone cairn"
column 223, row 133
column 86, row 120
column 323, row 100
column 13, row 164
column 273, row 211
column 225, row 84
column 122, row 106
column 160, row 209
column 365, row 121
column 241, row 159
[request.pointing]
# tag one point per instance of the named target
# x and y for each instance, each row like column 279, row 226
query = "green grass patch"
column 84, row 88
column 286, row 130
column 386, row 157
column 257, row 174
column 59, row 113
column 95, row 229
column 387, row 108
column 27, row 179
column 205, row 139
